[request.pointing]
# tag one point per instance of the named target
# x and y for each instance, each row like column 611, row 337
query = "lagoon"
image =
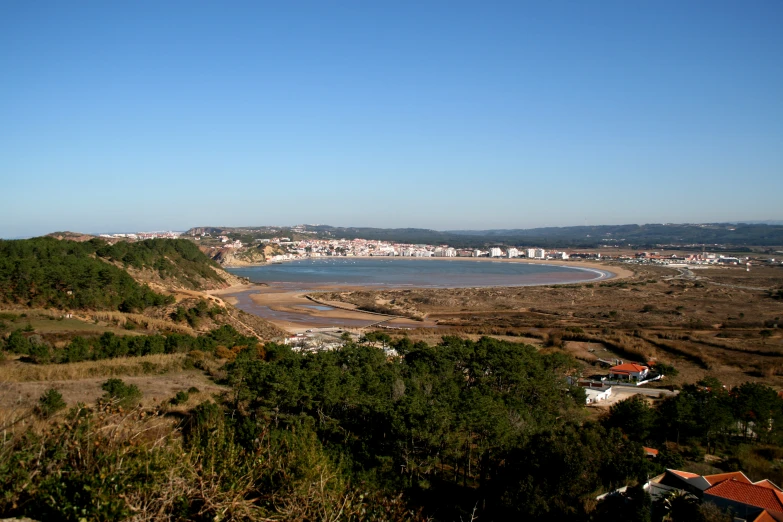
column 384, row 272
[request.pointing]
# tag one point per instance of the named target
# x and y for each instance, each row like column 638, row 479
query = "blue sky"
column 149, row 115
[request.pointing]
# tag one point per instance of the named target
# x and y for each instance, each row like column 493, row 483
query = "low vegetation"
column 195, row 314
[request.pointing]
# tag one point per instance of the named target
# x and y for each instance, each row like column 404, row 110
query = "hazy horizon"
column 770, row 222
column 447, row 116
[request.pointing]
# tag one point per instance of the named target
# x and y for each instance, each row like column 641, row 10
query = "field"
column 717, row 321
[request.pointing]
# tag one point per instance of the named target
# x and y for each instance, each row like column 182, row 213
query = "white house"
column 629, row 371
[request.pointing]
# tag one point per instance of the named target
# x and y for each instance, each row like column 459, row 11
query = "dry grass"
column 717, row 325
column 149, row 323
column 16, row 371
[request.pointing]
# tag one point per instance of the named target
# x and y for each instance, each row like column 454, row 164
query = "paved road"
column 650, row 392
column 620, row 393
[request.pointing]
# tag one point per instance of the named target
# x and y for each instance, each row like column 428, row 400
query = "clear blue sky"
column 149, row 115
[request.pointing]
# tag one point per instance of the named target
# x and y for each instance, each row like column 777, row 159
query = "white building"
column 530, row 253
column 595, row 391
column 593, row 395
column 539, row 253
column 495, row 252
column 445, row 252
column 513, row 252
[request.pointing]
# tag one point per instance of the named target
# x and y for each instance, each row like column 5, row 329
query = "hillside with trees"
column 175, row 262
column 47, row 273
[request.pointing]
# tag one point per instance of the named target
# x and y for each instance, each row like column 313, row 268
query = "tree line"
column 110, row 346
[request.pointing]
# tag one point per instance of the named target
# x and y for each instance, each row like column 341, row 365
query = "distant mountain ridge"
column 639, row 236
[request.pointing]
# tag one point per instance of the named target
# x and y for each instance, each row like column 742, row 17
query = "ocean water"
column 413, row 273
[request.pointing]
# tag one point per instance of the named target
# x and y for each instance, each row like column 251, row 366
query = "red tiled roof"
column 683, row 474
column 766, row 483
column 650, row 451
column 749, row 494
column 764, row 517
column 628, row 368
column 734, row 475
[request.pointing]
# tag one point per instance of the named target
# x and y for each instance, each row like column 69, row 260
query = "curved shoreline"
column 602, row 271
column 287, row 307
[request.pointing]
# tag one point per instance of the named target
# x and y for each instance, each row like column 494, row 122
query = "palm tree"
column 679, row 506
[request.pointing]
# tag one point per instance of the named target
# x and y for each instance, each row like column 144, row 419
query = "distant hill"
column 73, row 236
column 722, row 235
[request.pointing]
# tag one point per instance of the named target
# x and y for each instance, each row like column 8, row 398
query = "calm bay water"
column 414, row 273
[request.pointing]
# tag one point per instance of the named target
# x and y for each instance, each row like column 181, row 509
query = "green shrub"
column 40, row 352
column 180, row 398
column 192, row 389
column 125, row 395
column 50, row 403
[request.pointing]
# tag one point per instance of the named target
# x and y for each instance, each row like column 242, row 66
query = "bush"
column 192, row 389
column 39, row 352
column 666, row 369
column 125, row 395
column 180, row 398
column 49, row 403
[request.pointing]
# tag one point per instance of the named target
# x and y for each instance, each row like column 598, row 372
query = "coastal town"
column 288, row 249
column 291, row 250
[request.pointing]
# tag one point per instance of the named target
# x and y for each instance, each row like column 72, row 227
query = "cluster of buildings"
column 703, row 258
column 733, row 492
column 309, row 248
column 143, row 235
column 624, row 373
column 227, row 242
